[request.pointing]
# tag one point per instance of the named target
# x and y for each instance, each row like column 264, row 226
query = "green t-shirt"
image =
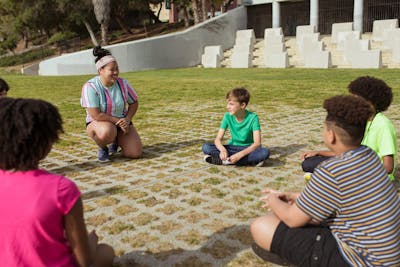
column 380, row 135
column 241, row 132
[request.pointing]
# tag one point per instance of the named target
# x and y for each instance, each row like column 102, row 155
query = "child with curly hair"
column 4, row 88
column 380, row 134
column 348, row 214
column 41, row 222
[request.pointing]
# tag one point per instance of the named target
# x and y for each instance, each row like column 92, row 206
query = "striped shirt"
column 353, row 196
column 112, row 100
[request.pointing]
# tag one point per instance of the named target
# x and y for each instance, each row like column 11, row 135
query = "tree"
column 102, row 10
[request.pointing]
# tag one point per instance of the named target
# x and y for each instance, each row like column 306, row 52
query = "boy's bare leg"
column 263, row 229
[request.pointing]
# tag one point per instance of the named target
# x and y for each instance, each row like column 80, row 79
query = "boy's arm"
column 223, row 154
column 257, row 143
column 285, row 208
column 324, row 153
column 388, row 163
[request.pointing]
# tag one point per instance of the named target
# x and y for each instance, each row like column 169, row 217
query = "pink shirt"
column 32, row 207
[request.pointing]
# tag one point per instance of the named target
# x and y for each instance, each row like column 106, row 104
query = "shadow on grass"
column 279, row 154
column 157, row 150
column 223, row 246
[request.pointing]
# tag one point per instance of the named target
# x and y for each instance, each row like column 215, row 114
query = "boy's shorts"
column 307, row 246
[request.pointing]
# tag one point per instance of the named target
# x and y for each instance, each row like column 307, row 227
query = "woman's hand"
column 123, row 123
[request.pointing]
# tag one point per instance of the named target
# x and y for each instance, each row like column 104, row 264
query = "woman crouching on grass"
column 111, row 102
column 41, row 222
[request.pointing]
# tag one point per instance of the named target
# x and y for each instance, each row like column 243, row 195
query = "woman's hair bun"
column 99, row 52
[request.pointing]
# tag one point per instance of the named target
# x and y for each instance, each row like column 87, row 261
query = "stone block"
column 396, row 51
column 272, row 31
column 212, row 56
column 241, row 60
column 343, row 36
column 278, row 60
column 353, row 46
column 304, row 29
column 340, row 27
column 274, row 48
column 308, row 37
column 242, row 48
column 213, row 50
column 379, row 26
column 371, row 59
column 310, row 46
column 211, row 61
column 318, row 59
column 388, row 37
column 245, row 35
column 274, row 39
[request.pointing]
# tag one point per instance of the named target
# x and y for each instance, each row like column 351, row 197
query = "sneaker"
column 260, row 164
column 103, row 154
column 213, row 160
column 113, row 148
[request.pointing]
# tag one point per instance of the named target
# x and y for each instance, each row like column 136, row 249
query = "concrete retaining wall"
column 176, row 50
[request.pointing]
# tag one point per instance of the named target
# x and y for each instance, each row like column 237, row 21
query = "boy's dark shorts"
column 307, row 246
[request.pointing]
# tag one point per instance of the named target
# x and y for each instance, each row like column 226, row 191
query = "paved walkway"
column 172, row 209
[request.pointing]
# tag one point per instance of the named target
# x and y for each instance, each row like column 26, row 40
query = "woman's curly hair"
column 100, row 52
column 374, row 90
column 28, row 129
column 349, row 113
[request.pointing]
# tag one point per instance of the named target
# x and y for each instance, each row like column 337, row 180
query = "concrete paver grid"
column 170, row 208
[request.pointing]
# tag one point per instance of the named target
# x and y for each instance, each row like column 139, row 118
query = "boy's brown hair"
column 348, row 116
column 241, row 94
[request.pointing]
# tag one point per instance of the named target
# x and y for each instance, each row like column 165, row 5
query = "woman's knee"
column 105, row 255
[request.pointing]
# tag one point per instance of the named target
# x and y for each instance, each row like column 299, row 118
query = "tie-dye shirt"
column 112, row 100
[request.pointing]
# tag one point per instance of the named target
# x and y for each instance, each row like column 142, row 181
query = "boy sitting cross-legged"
column 348, row 213
column 244, row 147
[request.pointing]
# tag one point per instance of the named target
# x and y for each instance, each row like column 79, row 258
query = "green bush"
column 26, row 57
column 60, row 37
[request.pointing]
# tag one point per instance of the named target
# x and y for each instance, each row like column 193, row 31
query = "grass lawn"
column 163, row 89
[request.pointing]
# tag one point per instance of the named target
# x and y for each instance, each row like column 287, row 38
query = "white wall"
column 176, row 50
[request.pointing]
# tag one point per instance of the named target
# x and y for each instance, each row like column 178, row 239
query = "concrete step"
column 295, row 60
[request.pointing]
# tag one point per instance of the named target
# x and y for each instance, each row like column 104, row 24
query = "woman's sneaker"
column 102, row 154
column 113, row 148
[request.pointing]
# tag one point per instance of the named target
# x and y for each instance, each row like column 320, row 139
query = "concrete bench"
column 340, row 27
column 388, row 37
column 396, row 50
column 343, row 36
column 274, row 48
column 354, row 46
column 318, row 59
column 276, row 60
column 241, row 60
column 309, row 37
column 371, row 59
column 304, row 29
column 212, row 56
column 274, row 39
column 379, row 26
column 310, row 46
column 245, row 36
column 272, row 31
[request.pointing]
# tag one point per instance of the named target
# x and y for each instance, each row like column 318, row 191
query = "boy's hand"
column 272, row 195
column 308, row 154
column 235, row 158
column 223, row 155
